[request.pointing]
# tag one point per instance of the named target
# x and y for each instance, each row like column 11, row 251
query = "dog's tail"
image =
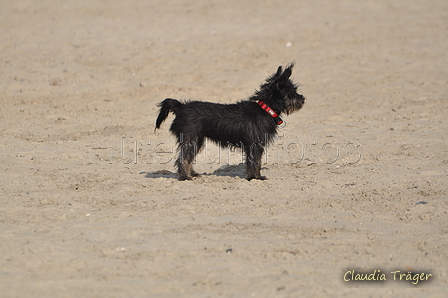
column 167, row 106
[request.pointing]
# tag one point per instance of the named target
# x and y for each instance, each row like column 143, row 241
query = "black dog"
column 250, row 124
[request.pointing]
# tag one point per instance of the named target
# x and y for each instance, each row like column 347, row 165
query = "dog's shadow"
column 160, row 174
column 231, row 171
column 225, row 170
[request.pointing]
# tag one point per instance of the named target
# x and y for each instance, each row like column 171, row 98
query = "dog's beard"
column 294, row 104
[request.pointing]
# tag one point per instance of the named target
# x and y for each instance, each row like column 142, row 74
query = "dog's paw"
column 258, row 178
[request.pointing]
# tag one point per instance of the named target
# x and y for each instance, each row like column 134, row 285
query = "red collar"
column 271, row 112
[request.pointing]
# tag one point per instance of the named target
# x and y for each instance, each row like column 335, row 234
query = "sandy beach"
column 90, row 203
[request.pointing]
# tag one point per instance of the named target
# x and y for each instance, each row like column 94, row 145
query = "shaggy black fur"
column 244, row 124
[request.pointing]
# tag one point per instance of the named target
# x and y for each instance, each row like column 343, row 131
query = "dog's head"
column 280, row 93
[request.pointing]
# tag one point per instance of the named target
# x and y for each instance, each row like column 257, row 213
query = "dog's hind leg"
column 197, row 146
column 188, row 150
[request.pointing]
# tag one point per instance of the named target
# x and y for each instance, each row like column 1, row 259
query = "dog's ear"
column 279, row 72
column 276, row 76
column 288, row 71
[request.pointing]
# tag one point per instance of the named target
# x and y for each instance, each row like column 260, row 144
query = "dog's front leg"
column 254, row 154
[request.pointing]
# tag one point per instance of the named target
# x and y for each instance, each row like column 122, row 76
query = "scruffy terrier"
column 249, row 124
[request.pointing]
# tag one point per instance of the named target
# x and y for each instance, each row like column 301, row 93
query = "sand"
column 90, row 204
